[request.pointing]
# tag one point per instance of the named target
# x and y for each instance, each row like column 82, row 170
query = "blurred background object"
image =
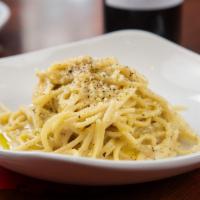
column 157, row 16
column 55, row 22
column 37, row 24
column 4, row 14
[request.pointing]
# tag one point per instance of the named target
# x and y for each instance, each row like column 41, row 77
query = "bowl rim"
column 166, row 163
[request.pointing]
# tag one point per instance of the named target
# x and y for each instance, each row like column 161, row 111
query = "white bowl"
column 173, row 72
column 4, row 14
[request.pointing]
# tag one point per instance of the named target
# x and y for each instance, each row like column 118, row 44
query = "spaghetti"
column 97, row 108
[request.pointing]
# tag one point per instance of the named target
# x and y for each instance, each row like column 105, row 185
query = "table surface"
column 37, row 24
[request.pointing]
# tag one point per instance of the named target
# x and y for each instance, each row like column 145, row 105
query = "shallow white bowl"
column 173, row 72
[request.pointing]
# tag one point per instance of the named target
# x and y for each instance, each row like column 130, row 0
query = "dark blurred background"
column 36, row 24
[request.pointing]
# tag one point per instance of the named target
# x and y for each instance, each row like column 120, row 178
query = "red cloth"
column 9, row 179
column 14, row 181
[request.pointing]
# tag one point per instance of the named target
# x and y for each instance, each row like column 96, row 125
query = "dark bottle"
column 162, row 17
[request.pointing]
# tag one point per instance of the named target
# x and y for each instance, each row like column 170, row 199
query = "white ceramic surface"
column 4, row 14
column 173, row 72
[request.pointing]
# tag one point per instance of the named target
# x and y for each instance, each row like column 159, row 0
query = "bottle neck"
column 143, row 4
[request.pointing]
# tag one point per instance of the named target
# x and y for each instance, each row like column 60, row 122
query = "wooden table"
column 36, row 24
